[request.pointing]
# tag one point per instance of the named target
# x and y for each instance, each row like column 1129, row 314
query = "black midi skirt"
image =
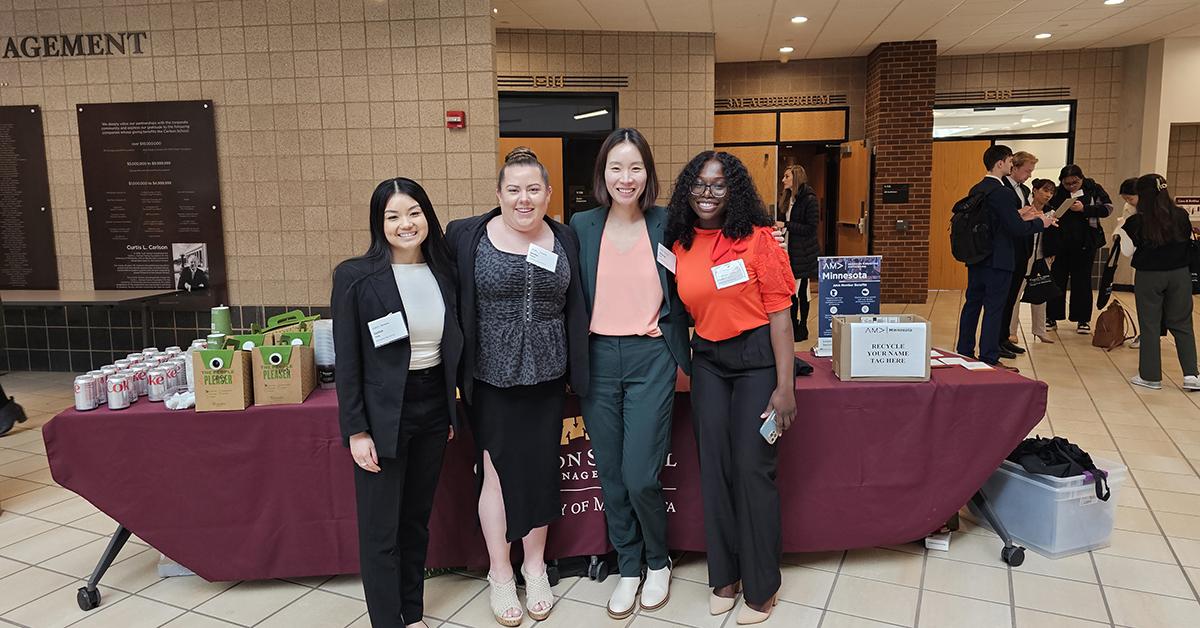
column 521, row 427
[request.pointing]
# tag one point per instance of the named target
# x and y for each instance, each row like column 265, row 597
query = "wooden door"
column 549, row 151
column 854, row 198
column 761, row 162
column 957, row 165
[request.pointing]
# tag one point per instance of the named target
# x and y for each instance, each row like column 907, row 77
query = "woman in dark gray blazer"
column 398, row 342
column 639, row 339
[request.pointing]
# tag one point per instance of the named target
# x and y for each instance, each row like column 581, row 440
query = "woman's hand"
column 783, row 402
column 778, row 233
column 362, row 448
column 450, row 436
column 1077, row 206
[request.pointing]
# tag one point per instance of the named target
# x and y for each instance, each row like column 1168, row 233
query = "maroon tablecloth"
column 268, row 492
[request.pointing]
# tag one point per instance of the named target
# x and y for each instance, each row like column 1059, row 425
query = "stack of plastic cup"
column 323, row 351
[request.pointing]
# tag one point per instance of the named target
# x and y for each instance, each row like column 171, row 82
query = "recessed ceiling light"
column 591, row 114
column 799, row 19
column 787, row 49
column 495, row 10
column 1042, row 36
column 1114, row 2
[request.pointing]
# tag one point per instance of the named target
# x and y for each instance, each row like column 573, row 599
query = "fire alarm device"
column 456, row 119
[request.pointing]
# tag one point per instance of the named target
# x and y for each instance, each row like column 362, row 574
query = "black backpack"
column 971, row 229
column 1060, row 458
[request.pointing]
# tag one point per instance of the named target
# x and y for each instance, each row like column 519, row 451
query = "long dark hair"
column 600, row 183
column 1156, row 207
column 434, row 248
column 744, row 208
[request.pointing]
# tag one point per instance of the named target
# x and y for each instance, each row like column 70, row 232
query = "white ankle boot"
column 624, row 598
column 657, row 589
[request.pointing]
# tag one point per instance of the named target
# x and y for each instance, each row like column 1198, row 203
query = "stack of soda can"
column 148, row 373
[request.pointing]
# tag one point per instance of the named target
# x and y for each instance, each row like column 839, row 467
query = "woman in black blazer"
column 398, row 342
column 525, row 326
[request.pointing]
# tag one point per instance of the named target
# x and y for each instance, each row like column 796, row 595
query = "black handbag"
column 1109, row 274
column 1194, row 264
column 1060, row 458
column 1039, row 285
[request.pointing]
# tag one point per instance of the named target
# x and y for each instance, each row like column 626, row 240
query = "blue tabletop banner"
column 845, row 286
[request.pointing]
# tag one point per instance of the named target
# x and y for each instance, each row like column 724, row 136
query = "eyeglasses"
column 718, row 190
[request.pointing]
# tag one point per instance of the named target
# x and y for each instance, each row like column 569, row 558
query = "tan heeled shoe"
column 1045, row 339
column 748, row 616
column 718, row 605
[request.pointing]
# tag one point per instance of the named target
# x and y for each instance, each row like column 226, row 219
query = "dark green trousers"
column 628, row 417
column 1164, row 297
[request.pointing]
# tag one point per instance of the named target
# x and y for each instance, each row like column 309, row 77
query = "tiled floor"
column 50, row 539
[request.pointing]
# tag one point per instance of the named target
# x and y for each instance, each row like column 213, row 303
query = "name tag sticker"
column 388, row 329
column 1077, row 193
column 730, row 274
column 542, row 258
column 666, row 258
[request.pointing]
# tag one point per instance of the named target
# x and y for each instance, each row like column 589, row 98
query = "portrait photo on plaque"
column 190, row 264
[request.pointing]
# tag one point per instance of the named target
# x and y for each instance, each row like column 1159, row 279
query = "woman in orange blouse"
column 737, row 284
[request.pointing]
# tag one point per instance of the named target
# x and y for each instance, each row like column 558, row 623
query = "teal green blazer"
column 673, row 319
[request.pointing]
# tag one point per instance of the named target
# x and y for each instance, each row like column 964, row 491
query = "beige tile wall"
column 316, row 101
column 1093, row 76
column 1183, row 160
column 670, row 93
column 817, row 76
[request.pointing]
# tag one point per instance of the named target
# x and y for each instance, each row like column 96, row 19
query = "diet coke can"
column 175, row 376
column 119, row 392
column 172, row 351
column 135, row 358
column 157, row 384
column 138, row 373
column 148, row 351
column 86, row 395
column 122, row 364
column 101, row 385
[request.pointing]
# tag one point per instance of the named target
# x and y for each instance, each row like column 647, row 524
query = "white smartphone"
column 769, row 429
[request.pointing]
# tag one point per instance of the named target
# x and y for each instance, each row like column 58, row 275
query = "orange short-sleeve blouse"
column 725, row 313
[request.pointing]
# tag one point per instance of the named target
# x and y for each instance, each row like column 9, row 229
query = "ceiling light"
column 787, row 49
column 1042, row 36
column 799, row 19
column 592, row 114
column 1028, row 120
column 1114, row 2
column 495, row 10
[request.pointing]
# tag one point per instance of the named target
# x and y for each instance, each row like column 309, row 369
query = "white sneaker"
column 657, row 589
column 1144, row 383
column 624, row 598
column 1191, row 382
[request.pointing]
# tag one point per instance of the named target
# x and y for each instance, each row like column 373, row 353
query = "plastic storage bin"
column 1055, row 517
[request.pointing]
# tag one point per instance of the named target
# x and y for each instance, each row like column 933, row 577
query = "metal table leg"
column 88, row 597
column 1012, row 554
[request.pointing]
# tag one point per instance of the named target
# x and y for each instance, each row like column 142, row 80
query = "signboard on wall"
column 845, row 285
column 26, row 232
column 153, row 198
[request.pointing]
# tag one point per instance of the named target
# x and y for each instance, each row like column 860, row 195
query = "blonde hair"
column 521, row 156
column 1021, row 157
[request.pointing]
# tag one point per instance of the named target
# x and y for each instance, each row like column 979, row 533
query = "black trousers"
column 1014, row 292
column 732, row 382
column 986, row 290
column 1072, row 271
column 394, row 505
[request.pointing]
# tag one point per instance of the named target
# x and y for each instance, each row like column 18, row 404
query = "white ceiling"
column 754, row 30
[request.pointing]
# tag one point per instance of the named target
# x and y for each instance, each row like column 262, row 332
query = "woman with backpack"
column 1162, row 234
column 803, row 218
column 1073, row 244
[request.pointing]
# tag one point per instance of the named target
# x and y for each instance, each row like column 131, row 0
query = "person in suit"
column 803, row 220
column 192, row 277
column 639, row 332
column 737, row 284
column 1074, row 244
column 1023, row 164
column 988, row 280
column 525, row 325
column 398, row 342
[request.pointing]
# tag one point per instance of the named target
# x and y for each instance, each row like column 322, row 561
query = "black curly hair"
column 744, row 208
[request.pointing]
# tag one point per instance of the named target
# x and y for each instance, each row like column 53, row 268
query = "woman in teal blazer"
column 638, row 341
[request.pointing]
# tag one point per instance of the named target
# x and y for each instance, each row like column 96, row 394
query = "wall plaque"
column 26, row 233
column 153, row 198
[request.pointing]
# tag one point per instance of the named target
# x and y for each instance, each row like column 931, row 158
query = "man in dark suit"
column 1022, row 168
column 988, row 281
column 192, row 277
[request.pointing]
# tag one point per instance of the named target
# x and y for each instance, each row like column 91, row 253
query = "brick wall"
column 901, row 82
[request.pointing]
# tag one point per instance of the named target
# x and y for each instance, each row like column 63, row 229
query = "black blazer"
column 370, row 381
column 463, row 236
column 1022, row 247
column 1004, row 204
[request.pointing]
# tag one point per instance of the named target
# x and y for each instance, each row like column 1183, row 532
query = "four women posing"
column 513, row 308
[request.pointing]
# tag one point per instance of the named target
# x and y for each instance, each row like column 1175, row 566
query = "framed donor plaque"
column 153, row 197
column 27, row 259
